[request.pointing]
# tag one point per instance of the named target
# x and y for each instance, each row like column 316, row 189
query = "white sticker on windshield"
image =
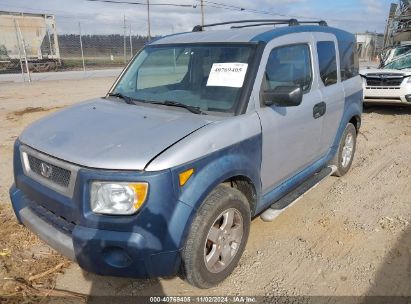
column 230, row 74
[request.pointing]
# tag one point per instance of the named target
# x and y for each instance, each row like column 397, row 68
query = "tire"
column 203, row 243
column 346, row 150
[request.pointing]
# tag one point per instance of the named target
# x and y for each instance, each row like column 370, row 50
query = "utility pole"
column 148, row 20
column 131, row 44
column 125, row 42
column 81, row 47
column 202, row 13
column 374, row 45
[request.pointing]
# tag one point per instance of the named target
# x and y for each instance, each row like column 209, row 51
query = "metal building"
column 369, row 45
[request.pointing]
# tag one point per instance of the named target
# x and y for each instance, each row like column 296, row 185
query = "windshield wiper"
column 127, row 100
column 192, row 109
column 170, row 103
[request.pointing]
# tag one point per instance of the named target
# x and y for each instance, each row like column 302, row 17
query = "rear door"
column 330, row 85
column 291, row 135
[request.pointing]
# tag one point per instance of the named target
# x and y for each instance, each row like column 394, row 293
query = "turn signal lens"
column 140, row 190
column 185, row 176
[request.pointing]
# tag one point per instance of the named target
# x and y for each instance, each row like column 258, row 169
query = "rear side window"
column 289, row 66
column 328, row 62
column 348, row 59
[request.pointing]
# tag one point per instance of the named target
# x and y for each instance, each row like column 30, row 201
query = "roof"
column 254, row 34
column 21, row 14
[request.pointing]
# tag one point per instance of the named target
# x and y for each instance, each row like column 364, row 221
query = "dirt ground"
column 350, row 236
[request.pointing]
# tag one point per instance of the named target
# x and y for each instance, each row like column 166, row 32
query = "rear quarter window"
column 327, row 62
column 348, row 59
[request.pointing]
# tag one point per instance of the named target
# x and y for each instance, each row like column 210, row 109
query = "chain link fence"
column 31, row 43
column 98, row 51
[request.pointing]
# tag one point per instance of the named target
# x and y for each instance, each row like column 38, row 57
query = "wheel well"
column 245, row 186
column 356, row 121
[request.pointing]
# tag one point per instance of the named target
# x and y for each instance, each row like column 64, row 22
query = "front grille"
column 385, row 74
column 55, row 174
column 384, row 82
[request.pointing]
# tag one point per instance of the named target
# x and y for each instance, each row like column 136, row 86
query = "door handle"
column 319, row 110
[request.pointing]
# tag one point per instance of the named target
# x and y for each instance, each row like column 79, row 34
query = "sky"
column 108, row 18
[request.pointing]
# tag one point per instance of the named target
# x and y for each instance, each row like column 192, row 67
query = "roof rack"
column 260, row 22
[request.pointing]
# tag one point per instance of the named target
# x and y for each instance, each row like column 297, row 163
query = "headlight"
column 117, row 198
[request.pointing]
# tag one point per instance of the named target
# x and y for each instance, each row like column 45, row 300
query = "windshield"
column 390, row 55
column 208, row 77
column 399, row 63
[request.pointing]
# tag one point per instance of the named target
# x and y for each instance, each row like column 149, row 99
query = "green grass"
column 93, row 62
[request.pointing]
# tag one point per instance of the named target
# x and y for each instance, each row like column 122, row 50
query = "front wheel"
column 346, row 150
column 217, row 238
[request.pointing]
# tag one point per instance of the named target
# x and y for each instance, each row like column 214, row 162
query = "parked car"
column 391, row 82
column 201, row 133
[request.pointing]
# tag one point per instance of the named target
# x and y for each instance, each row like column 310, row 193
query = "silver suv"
column 201, row 133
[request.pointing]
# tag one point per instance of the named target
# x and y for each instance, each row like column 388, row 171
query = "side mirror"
column 283, row 96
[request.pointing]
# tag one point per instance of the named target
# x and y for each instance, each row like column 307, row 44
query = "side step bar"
column 283, row 203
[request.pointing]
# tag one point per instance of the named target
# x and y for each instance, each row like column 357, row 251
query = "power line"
column 59, row 14
column 239, row 8
column 147, row 4
column 148, row 8
column 220, row 5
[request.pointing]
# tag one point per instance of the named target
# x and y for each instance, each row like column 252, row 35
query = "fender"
column 352, row 107
column 241, row 159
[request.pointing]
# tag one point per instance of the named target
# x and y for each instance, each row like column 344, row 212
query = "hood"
column 405, row 72
column 109, row 134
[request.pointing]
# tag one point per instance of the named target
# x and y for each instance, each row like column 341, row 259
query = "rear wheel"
column 217, row 238
column 346, row 150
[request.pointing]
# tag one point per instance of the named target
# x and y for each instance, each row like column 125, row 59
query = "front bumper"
column 116, row 253
column 57, row 240
column 146, row 244
column 396, row 95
